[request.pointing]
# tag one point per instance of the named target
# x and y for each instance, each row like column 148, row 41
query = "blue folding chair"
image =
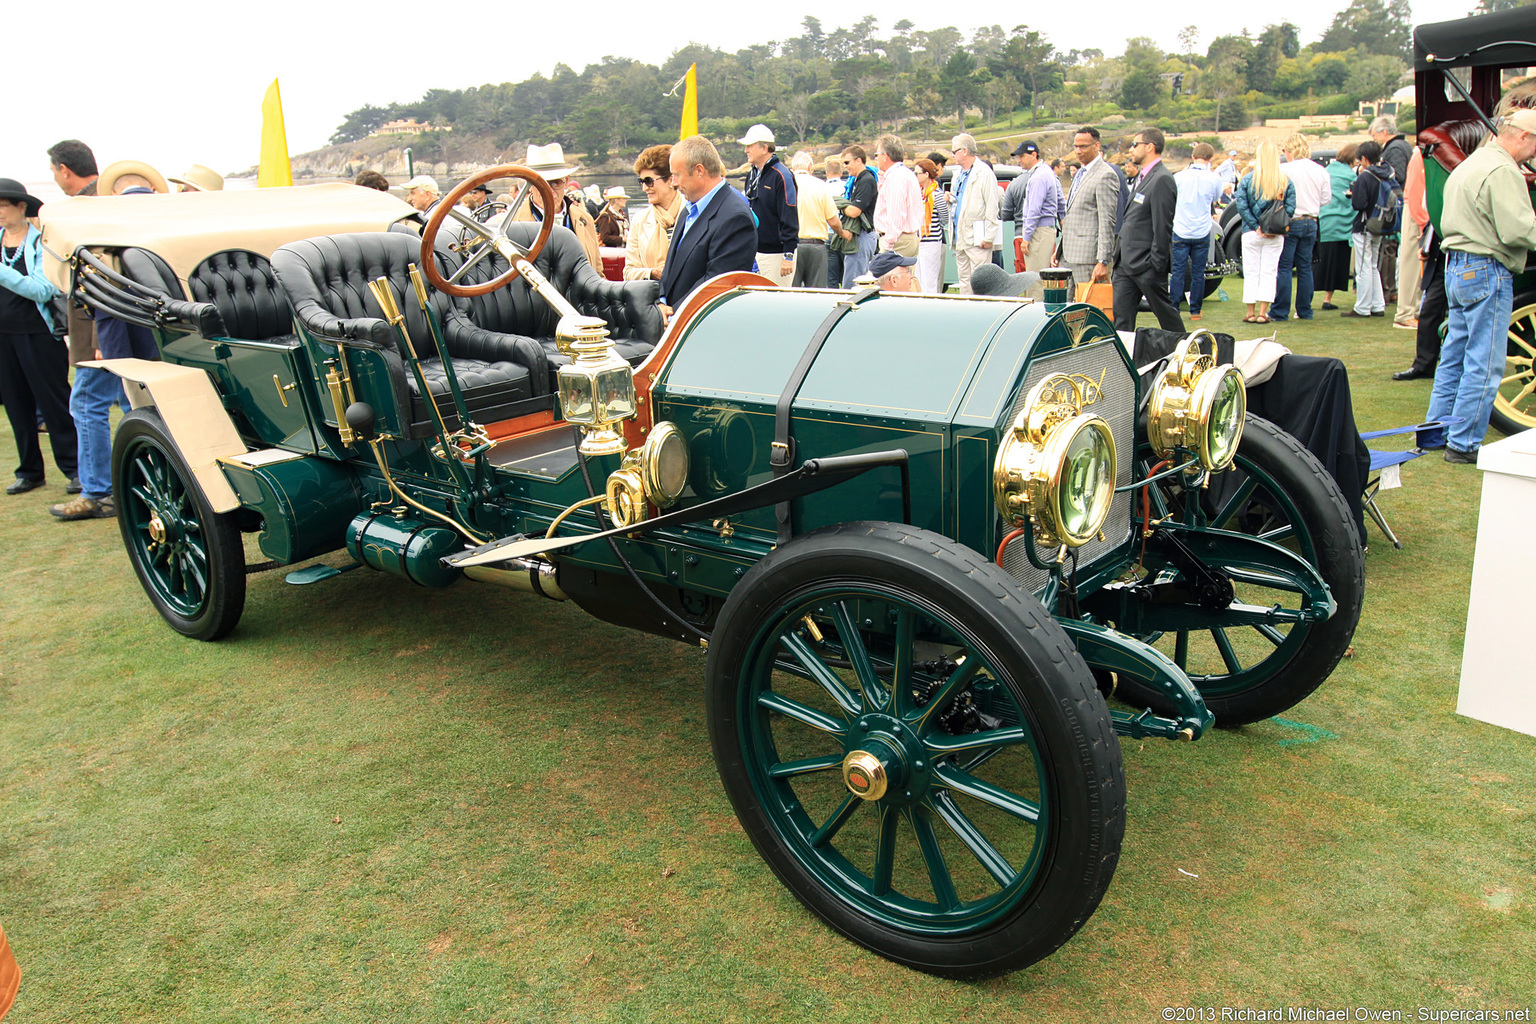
column 1381, row 461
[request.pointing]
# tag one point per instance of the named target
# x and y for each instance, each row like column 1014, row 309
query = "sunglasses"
column 648, row 182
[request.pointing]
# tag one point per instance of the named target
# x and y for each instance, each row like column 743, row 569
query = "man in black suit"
column 714, row 233
column 1145, row 245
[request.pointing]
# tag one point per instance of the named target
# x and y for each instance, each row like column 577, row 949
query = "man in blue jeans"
column 95, row 389
column 1488, row 228
column 1199, row 188
column 1313, row 192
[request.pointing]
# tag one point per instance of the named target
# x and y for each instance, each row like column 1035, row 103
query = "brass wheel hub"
column 864, row 775
column 157, row 529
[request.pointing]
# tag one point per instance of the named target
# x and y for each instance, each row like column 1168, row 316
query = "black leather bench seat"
column 492, row 392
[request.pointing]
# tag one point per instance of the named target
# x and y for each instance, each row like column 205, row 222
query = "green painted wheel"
column 1514, row 408
column 916, row 748
column 189, row 559
column 1277, row 491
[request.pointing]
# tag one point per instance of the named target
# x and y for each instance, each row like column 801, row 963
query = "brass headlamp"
column 653, row 474
column 597, row 388
column 1198, row 405
column 1056, row 465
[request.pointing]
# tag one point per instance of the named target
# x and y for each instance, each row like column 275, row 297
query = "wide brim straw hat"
column 109, row 177
column 200, row 178
column 549, row 161
column 16, row 192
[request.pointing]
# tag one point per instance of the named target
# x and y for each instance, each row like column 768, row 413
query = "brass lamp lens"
column 1087, row 482
column 1229, row 410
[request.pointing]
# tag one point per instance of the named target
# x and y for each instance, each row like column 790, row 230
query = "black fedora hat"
column 16, row 192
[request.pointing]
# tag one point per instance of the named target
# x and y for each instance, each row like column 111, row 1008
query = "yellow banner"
column 690, row 104
column 274, row 168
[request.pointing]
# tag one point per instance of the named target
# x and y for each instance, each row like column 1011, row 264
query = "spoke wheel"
column 189, row 559
column 1514, row 408
column 916, row 749
column 1279, row 492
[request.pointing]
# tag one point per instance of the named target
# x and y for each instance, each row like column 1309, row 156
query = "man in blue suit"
column 715, row 233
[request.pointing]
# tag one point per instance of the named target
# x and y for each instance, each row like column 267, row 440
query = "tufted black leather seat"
column 150, row 270
column 240, row 284
column 517, row 311
column 326, row 282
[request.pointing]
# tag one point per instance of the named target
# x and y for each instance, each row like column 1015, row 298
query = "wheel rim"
column 957, row 838
column 1517, row 390
column 165, row 534
column 1229, row 660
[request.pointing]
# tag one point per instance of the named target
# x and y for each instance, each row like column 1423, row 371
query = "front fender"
column 1113, row 651
column 193, row 414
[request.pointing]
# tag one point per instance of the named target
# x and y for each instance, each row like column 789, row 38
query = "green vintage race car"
column 925, row 539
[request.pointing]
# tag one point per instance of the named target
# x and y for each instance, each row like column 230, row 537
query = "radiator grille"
column 1118, row 407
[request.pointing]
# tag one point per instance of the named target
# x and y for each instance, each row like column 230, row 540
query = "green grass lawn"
column 380, row 802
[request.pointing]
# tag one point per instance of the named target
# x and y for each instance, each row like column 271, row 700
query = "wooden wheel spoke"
column 1236, row 503
column 1228, row 655
column 1269, row 633
column 947, row 744
column 985, row 853
column 834, row 824
column 821, row 673
column 938, row 868
column 885, row 850
column 804, row 714
column 858, row 655
column 805, row 766
column 901, row 674
column 958, row 680
column 986, row 792
column 1279, row 533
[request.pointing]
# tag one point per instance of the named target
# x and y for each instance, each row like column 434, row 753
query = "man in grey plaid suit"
column 1087, row 242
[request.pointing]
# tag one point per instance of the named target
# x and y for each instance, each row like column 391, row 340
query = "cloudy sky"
column 178, row 84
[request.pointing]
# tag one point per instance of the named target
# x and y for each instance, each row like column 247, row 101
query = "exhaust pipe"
column 534, row 575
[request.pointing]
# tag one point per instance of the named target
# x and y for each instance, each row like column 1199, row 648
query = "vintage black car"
column 925, row 539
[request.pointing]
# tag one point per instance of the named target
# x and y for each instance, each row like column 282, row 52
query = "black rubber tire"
column 1507, row 419
column 195, row 578
column 1076, row 753
column 1336, row 553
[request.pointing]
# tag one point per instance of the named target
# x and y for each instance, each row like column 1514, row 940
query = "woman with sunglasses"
column 651, row 232
column 34, row 365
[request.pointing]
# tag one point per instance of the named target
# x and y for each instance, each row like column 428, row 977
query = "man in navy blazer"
column 714, row 233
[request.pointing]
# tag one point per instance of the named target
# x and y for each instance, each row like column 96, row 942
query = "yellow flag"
column 274, row 168
column 691, row 104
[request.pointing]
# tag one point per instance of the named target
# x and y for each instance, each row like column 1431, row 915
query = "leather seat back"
column 1450, row 141
column 326, row 282
column 629, row 307
column 241, row 284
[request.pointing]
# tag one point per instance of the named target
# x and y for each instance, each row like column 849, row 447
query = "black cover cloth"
column 1308, row 397
column 1448, row 40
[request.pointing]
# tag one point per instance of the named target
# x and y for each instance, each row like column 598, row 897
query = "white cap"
column 422, row 181
column 757, row 133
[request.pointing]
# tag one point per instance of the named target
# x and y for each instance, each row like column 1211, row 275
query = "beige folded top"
column 185, row 228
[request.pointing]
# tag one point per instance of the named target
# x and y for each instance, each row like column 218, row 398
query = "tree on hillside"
column 360, row 122
column 1275, row 44
column 957, row 84
column 1374, row 78
column 1222, row 80
column 1027, row 58
column 1329, row 71
column 1189, row 41
column 1490, row 6
column 1371, row 26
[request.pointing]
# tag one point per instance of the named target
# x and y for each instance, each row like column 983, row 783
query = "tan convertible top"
column 186, row 227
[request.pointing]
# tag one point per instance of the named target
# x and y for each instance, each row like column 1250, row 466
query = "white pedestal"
column 1498, row 665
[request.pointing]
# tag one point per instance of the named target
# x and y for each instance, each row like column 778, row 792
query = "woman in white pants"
column 1262, row 187
column 930, row 244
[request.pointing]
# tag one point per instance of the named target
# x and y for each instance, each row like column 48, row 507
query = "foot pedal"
column 316, row 573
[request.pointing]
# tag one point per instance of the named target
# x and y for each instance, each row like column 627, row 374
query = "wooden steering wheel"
column 489, row 236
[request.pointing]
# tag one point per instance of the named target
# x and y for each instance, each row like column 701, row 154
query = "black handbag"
column 1274, row 220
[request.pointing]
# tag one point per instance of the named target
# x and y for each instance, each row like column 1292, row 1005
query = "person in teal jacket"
column 1334, row 258
column 34, row 365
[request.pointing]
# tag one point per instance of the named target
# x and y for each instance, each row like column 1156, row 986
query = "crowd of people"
column 1139, row 229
